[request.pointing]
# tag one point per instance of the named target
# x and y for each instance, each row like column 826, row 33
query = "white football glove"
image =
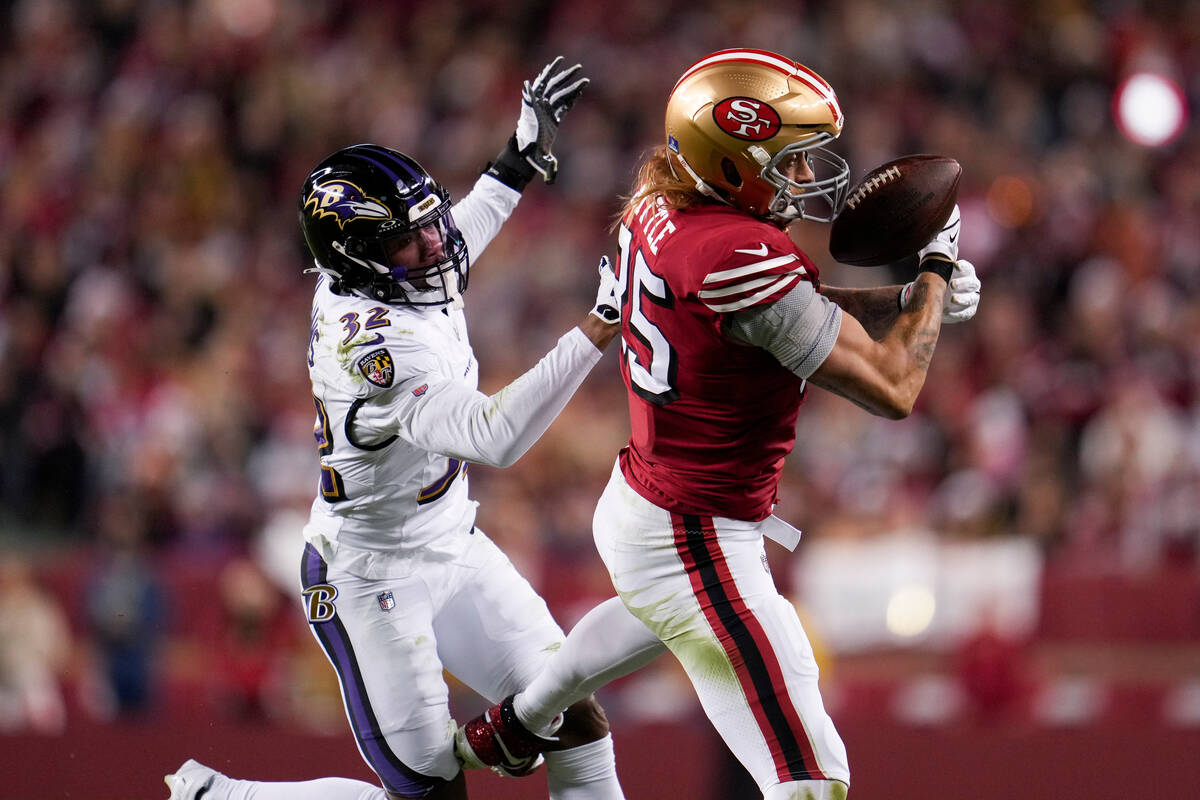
column 946, row 241
column 962, row 298
column 608, row 303
column 543, row 104
column 963, row 293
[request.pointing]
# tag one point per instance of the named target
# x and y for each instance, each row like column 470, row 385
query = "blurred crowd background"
column 155, row 413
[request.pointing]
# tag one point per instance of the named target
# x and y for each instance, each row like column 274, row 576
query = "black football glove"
column 543, row 105
column 544, row 102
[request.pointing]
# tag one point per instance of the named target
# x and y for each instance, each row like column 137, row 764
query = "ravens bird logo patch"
column 377, row 367
column 343, row 201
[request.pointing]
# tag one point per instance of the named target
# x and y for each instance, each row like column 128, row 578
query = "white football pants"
column 702, row 585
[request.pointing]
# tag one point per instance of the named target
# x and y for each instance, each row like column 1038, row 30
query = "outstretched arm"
column 544, row 103
column 450, row 418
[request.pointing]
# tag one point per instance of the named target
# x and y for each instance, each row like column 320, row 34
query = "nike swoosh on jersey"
column 761, row 250
column 377, row 340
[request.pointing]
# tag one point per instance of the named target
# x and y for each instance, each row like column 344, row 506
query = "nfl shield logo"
column 377, row 367
column 386, row 601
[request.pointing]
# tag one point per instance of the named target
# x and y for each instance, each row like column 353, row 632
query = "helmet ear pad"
column 356, row 247
column 731, row 173
column 737, row 180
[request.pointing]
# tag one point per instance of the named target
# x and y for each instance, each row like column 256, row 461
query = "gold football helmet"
column 739, row 121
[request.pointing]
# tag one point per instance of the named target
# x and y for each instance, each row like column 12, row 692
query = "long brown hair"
column 655, row 177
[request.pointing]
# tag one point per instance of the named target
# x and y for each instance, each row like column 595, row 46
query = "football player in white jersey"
column 398, row 583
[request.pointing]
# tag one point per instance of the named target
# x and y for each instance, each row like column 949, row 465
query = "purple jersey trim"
column 397, row 777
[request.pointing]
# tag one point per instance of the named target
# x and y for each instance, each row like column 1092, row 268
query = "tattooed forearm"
column 883, row 371
column 876, row 309
column 926, row 326
column 923, row 347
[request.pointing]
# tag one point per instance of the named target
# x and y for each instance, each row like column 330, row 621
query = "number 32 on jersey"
column 652, row 379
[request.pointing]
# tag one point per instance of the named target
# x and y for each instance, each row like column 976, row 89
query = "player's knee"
column 582, row 723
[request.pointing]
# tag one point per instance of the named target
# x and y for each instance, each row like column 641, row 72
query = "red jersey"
column 712, row 419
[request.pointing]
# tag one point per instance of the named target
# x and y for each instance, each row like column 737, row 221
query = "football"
column 895, row 210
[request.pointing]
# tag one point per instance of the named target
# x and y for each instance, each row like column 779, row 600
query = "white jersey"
column 399, row 414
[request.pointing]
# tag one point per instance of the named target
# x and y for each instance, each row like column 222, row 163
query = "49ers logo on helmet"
column 746, row 118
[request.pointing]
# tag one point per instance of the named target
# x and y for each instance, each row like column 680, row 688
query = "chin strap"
column 701, row 186
column 371, row 265
column 317, row 269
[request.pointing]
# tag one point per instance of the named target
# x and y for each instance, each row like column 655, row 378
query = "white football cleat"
column 191, row 781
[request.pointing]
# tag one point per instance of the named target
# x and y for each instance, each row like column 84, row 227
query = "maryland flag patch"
column 377, row 367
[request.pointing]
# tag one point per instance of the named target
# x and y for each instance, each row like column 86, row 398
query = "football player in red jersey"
column 724, row 324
